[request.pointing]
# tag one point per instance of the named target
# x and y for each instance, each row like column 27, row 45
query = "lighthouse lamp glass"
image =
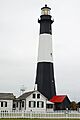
column 45, row 11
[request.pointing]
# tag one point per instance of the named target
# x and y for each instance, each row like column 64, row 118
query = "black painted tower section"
column 45, row 73
column 45, row 24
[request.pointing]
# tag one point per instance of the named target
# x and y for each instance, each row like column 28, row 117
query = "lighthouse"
column 45, row 80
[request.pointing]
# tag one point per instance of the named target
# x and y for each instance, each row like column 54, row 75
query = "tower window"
column 51, row 54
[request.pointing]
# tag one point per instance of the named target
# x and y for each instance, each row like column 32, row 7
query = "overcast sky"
column 19, row 37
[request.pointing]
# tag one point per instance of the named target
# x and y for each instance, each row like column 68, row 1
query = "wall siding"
column 9, row 105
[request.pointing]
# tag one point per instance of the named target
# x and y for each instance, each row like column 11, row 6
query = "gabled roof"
column 25, row 95
column 7, row 96
column 58, row 98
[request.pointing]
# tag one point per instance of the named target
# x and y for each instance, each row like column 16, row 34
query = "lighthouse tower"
column 45, row 73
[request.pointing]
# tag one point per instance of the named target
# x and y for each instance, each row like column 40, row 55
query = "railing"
column 24, row 114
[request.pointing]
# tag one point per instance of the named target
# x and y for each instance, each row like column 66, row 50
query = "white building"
column 6, row 101
column 33, row 101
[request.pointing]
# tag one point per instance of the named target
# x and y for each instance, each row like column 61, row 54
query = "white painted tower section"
column 45, row 52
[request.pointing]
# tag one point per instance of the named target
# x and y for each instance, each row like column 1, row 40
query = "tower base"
column 45, row 79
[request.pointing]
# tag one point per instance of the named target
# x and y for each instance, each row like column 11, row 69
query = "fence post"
column 22, row 114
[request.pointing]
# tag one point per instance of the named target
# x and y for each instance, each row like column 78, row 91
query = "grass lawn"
column 36, row 119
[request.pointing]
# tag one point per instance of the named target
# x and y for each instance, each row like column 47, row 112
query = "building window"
column 40, row 104
column 5, row 104
column 22, row 103
column 32, row 104
column 1, row 104
column 14, row 106
column 17, row 104
column 49, row 106
column 38, row 95
column 34, row 95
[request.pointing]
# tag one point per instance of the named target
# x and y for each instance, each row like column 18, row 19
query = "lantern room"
column 45, row 10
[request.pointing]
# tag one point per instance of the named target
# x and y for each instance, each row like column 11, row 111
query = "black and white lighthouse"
column 45, row 73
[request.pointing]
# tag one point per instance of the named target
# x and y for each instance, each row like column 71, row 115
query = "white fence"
column 24, row 114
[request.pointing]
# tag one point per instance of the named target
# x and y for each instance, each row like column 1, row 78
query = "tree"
column 73, row 105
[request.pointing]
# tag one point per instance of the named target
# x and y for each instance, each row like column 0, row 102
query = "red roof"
column 57, row 98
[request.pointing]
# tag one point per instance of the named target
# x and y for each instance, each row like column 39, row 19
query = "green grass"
column 36, row 119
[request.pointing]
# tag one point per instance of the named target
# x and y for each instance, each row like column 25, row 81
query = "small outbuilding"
column 61, row 102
